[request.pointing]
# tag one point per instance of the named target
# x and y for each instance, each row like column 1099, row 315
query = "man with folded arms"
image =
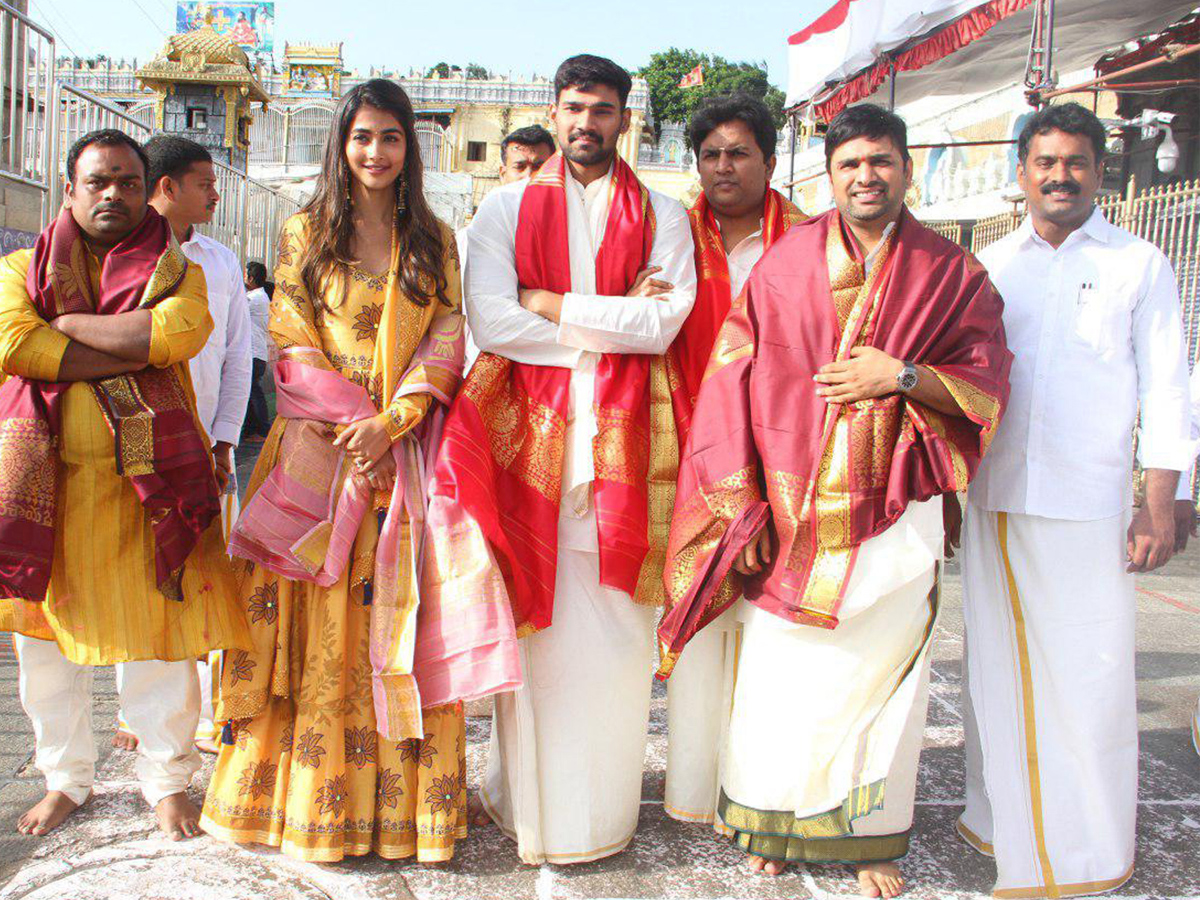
column 859, row 376
column 110, row 535
column 559, row 462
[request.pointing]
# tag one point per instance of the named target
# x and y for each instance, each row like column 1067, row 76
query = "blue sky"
column 517, row 36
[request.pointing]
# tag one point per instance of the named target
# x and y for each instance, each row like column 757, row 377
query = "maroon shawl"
column 830, row 475
column 157, row 442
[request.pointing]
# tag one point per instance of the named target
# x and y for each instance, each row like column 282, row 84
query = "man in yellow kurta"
column 110, row 534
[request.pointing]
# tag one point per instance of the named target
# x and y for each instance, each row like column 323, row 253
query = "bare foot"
column 123, row 740
column 768, row 866
column 48, row 813
column 207, row 745
column 178, row 817
column 476, row 814
column 880, row 879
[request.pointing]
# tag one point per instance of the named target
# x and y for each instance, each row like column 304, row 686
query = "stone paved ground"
column 112, row 850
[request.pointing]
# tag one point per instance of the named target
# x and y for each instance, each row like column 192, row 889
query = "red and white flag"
column 692, row 78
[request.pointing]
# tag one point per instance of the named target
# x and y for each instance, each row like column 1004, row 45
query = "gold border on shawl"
column 827, row 503
column 660, row 486
column 976, row 403
column 525, row 438
column 131, row 421
column 938, row 423
column 1051, row 889
column 1080, row 889
column 168, row 273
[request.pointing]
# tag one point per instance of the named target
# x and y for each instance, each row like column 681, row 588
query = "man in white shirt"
column 735, row 219
column 1050, row 545
column 183, row 188
column 563, row 302
column 522, row 155
column 257, row 424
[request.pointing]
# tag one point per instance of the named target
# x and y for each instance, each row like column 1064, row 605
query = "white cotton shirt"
column 259, row 305
column 471, row 351
column 743, row 258
column 589, row 325
column 1095, row 330
column 221, row 370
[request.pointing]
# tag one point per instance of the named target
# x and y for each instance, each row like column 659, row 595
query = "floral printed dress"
column 307, row 771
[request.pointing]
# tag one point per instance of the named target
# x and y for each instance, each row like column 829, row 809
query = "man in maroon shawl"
column 110, row 541
column 858, row 377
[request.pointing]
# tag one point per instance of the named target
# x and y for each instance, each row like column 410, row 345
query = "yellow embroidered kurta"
column 102, row 606
column 308, row 772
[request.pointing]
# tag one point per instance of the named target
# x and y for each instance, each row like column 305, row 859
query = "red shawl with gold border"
column 503, row 446
column 763, row 445
column 158, row 444
column 714, row 292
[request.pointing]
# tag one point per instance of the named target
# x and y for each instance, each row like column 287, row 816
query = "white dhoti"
column 1050, row 696
column 160, row 701
column 564, row 776
column 699, row 694
column 826, row 726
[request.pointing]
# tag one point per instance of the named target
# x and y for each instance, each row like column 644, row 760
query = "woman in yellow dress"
column 327, row 752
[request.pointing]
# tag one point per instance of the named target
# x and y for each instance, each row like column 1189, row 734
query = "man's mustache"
column 111, row 207
column 1070, row 187
column 576, row 135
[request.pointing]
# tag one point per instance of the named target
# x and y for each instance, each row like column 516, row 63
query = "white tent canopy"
column 842, row 49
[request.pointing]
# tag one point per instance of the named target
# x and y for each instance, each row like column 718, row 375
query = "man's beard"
column 590, row 157
column 886, row 209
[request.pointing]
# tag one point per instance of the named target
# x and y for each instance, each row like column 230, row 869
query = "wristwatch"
column 906, row 378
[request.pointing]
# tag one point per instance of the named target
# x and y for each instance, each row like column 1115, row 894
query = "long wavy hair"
column 420, row 270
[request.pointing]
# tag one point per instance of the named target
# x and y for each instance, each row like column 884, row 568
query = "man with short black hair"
column 858, row 377
column 111, row 549
column 1050, row 542
column 523, row 152
column 737, row 217
column 558, row 466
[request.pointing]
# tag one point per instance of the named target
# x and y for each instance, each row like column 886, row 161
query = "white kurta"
column 565, row 768
column 1051, row 716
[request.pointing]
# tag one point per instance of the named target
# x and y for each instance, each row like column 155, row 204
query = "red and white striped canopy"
column 950, row 46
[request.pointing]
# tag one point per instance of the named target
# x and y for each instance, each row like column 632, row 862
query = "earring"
column 401, row 194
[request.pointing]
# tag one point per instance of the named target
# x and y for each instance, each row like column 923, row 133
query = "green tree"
column 442, row 70
column 478, row 72
column 671, row 103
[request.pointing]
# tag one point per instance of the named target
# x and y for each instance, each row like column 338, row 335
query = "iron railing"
column 26, row 73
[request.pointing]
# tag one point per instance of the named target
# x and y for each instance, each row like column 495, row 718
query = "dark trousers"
column 256, row 412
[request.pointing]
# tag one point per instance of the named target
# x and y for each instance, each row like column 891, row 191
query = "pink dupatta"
column 302, row 522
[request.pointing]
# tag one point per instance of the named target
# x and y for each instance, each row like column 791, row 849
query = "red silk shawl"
column 714, row 292
column 764, row 445
column 503, row 445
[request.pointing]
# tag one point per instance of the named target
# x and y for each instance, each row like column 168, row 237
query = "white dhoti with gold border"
column 564, row 775
column 824, row 732
column 1050, row 702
